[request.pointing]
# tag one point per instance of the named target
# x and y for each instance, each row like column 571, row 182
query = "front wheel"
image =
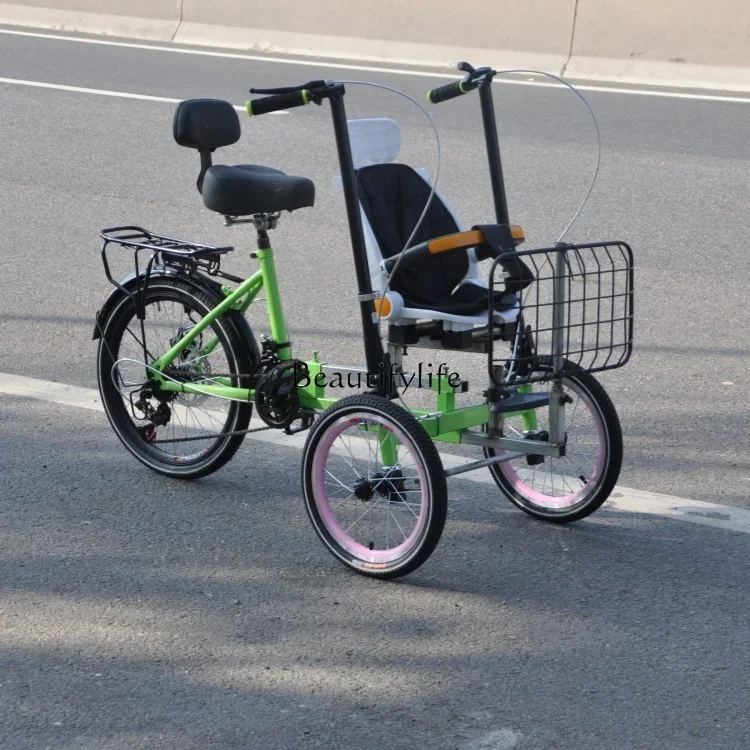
column 573, row 486
column 374, row 486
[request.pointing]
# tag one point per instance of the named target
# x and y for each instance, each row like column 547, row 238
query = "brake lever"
column 475, row 75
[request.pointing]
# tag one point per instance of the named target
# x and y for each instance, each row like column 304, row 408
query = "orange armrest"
column 422, row 253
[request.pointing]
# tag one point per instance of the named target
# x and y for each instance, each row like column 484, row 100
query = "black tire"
column 586, row 387
column 433, row 499
column 119, row 338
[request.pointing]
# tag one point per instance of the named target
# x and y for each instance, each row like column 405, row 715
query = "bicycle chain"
column 209, row 437
column 217, row 434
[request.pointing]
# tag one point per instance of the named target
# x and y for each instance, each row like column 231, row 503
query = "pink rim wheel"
column 371, row 475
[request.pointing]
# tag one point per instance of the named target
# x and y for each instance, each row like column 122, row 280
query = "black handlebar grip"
column 280, row 101
column 449, row 91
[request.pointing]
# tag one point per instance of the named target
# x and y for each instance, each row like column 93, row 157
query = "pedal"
column 520, row 402
column 306, row 421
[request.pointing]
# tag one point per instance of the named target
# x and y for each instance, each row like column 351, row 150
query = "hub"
column 363, row 489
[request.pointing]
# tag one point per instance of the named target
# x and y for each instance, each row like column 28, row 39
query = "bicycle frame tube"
column 557, row 402
column 240, row 307
column 528, row 417
column 275, row 309
column 240, row 299
column 247, row 286
column 556, row 406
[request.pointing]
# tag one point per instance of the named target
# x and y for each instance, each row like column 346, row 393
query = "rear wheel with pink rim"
column 374, row 486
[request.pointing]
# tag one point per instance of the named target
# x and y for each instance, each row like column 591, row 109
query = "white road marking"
column 375, row 68
column 103, row 92
column 622, row 499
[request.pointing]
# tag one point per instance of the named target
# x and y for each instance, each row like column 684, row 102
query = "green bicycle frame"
column 446, row 425
column 240, row 300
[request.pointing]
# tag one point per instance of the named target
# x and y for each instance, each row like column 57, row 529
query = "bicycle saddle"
column 242, row 190
column 250, row 189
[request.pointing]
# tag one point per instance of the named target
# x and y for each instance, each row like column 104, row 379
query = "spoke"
column 141, row 345
column 395, row 520
column 372, row 505
column 372, row 452
column 348, row 447
column 341, row 502
column 193, row 419
column 573, row 417
column 338, row 481
column 565, row 482
column 387, row 528
column 403, row 501
column 380, row 446
column 347, row 460
column 176, row 416
column 336, row 485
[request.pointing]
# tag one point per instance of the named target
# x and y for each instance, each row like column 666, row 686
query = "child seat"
column 449, row 289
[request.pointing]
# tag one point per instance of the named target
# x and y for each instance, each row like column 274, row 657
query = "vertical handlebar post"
column 493, row 151
column 374, row 355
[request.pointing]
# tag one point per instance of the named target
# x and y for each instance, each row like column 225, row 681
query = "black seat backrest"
column 393, row 197
column 206, row 124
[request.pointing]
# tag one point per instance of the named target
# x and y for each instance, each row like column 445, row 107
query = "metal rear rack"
column 161, row 251
column 139, row 238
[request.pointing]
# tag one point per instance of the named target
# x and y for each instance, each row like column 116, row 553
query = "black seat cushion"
column 249, row 189
column 393, row 197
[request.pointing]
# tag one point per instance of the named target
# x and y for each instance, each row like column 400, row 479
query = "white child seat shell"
column 378, row 141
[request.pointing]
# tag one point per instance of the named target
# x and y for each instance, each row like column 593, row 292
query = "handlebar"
column 292, row 96
column 464, row 86
column 279, row 101
column 449, row 91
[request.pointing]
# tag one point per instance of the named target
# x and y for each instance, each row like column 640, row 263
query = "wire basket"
column 576, row 316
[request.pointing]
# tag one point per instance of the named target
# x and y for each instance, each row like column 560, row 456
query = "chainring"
column 276, row 398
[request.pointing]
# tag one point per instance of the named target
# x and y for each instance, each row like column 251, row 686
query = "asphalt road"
column 136, row 612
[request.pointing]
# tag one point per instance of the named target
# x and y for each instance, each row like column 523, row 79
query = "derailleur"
column 156, row 417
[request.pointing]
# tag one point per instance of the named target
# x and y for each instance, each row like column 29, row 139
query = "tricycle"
column 180, row 369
